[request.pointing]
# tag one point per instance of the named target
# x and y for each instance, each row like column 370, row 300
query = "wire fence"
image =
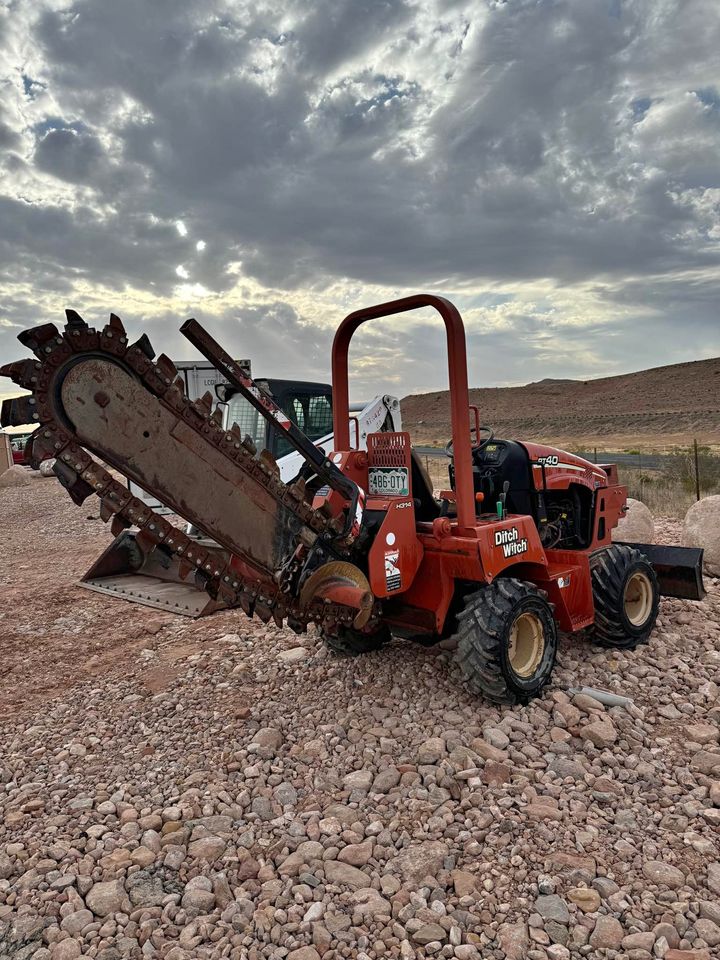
column 669, row 483
column 681, row 477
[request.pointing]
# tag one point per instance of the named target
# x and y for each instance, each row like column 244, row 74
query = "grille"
column 388, row 449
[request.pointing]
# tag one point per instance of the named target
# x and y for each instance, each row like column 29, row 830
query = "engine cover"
column 554, row 469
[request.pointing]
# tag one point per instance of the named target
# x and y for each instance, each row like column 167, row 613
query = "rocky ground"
column 219, row 788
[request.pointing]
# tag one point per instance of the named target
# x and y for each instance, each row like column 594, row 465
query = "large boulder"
column 46, row 467
column 637, row 526
column 702, row 529
column 16, row 476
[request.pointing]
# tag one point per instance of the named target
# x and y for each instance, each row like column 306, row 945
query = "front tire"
column 346, row 642
column 626, row 597
column 507, row 641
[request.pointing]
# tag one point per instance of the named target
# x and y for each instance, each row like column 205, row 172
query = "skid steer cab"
column 358, row 542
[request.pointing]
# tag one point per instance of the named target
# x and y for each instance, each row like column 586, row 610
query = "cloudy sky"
column 553, row 166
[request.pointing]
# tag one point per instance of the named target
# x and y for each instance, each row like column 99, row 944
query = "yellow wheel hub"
column 527, row 644
column 638, row 598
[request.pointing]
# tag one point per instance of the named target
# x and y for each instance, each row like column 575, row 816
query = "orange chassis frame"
column 433, row 558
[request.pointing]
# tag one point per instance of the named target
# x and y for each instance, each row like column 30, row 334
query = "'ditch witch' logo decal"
column 510, row 542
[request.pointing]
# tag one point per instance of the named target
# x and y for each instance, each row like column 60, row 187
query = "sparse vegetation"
column 681, row 467
column 650, row 411
column 672, row 491
column 664, row 495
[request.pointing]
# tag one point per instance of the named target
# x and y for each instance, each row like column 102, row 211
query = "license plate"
column 388, row 481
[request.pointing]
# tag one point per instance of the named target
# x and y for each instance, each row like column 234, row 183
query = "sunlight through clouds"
column 550, row 167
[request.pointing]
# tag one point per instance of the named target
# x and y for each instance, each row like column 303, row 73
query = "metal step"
column 183, row 599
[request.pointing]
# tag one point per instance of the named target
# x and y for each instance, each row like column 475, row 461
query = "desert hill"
column 651, row 410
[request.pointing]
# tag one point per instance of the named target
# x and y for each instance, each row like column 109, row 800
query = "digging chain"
column 81, row 475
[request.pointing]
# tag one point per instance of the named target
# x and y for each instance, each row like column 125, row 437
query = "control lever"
column 501, row 512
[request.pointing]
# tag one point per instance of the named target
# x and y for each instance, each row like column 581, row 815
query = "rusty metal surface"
column 182, row 468
column 340, row 581
column 266, row 406
column 183, row 599
column 153, row 579
column 92, row 392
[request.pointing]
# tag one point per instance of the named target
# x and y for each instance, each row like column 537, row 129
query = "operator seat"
column 427, row 507
column 500, row 461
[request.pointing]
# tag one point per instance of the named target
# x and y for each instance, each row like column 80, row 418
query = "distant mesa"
column 653, row 409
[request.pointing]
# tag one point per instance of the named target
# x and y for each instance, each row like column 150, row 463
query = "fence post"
column 594, row 454
column 697, row 469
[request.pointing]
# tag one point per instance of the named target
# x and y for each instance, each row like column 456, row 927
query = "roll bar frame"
column 458, row 382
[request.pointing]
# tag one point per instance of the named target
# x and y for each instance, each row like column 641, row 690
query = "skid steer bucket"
column 153, row 579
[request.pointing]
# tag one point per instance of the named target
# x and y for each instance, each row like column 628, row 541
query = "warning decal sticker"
column 393, row 580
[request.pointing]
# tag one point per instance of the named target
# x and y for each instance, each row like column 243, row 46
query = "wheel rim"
column 638, row 598
column 527, row 644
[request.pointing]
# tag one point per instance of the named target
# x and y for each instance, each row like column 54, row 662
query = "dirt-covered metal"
column 92, row 392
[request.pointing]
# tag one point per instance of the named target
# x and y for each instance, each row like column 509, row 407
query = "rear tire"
column 346, row 642
column 507, row 641
column 626, row 597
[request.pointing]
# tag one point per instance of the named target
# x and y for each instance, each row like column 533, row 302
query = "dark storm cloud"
column 58, row 243
column 388, row 142
column 69, row 154
column 333, row 33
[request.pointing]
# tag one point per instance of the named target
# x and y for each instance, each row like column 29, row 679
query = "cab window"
column 312, row 413
column 248, row 419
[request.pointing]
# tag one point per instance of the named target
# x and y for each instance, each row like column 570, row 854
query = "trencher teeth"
column 205, row 403
column 143, row 344
column 39, row 339
column 83, row 476
column 74, row 321
column 166, row 367
column 116, row 325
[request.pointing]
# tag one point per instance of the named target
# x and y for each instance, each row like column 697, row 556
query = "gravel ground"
column 219, row 788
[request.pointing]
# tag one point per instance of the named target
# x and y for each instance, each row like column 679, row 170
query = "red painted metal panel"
column 396, row 552
column 505, row 543
column 569, row 587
